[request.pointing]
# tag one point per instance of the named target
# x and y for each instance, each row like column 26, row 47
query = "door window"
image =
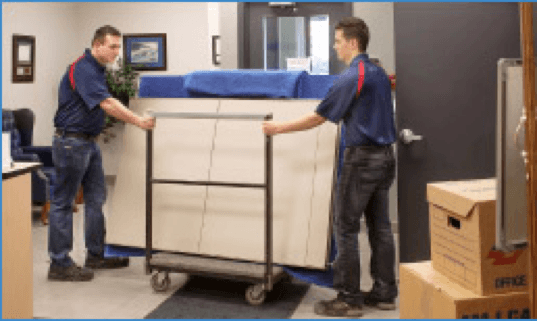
column 320, row 44
column 275, row 38
column 287, row 37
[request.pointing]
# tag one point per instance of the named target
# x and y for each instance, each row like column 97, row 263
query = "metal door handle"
column 520, row 126
column 407, row 136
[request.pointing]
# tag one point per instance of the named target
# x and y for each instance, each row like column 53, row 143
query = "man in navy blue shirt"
column 361, row 98
column 83, row 100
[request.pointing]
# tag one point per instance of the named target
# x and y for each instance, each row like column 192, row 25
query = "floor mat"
column 209, row 298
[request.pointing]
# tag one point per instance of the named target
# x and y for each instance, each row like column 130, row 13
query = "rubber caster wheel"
column 160, row 281
column 255, row 294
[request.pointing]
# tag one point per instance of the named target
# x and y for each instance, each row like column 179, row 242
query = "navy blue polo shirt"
column 368, row 119
column 79, row 110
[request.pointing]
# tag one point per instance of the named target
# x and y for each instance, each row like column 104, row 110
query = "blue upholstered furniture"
column 20, row 124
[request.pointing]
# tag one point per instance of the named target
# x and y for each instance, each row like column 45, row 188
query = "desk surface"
column 19, row 168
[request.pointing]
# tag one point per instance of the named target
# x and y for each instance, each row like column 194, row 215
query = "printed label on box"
column 509, row 314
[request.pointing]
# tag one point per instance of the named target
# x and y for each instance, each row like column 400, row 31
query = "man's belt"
column 62, row 133
column 370, row 147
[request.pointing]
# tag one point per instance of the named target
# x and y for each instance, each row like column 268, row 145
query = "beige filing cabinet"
column 17, row 260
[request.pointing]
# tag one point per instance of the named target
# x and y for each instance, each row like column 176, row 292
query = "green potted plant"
column 122, row 81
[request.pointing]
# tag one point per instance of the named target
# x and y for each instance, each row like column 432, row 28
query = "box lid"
column 439, row 282
column 460, row 197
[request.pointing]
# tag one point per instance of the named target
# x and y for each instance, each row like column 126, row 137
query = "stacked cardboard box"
column 428, row 294
column 468, row 276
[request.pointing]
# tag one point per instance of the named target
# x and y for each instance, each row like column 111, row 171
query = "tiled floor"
column 127, row 294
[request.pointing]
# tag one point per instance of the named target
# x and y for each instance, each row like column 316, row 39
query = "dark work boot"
column 96, row 262
column 381, row 297
column 71, row 273
column 338, row 308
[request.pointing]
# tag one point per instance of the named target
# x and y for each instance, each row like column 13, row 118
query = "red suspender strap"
column 72, row 72
column 360, row 77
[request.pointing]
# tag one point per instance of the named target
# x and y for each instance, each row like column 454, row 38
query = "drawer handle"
column 454, row 222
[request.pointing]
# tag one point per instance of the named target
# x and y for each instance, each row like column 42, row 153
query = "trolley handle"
column 227, row 116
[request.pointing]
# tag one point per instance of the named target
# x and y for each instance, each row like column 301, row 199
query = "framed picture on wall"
column 145, row 51
column 23, row 58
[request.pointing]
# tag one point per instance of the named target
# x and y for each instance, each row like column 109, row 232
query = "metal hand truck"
column 263, row 276
column 511, row 159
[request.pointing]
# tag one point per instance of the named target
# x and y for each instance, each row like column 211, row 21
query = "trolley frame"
column 269, row 277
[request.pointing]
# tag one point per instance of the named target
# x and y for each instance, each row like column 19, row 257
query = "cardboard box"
column 427, row 294
column 463, row 233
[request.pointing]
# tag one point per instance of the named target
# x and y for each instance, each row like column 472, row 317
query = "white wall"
column 214, row 27
column 54, row 27
column 228, row 35
column 185, row 25
column 379, row 18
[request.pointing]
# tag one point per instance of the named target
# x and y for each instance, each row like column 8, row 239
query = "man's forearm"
column 116, row 109
column 306, row 122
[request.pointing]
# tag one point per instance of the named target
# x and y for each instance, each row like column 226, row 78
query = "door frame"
column 243, row 29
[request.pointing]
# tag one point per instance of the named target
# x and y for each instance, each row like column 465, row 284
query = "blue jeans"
column 77, row 162
column 366, row 177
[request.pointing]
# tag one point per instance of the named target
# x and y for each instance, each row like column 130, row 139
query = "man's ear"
column 98, row 43
column 355, row 43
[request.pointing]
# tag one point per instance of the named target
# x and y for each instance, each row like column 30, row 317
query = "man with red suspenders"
column 83, row 100
column 361, row 98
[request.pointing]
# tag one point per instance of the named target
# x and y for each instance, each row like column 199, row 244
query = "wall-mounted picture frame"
column 23, row 59
column 145, row 51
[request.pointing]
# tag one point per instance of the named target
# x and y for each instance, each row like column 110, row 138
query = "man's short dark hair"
column 355, row 28
column 101, row 33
